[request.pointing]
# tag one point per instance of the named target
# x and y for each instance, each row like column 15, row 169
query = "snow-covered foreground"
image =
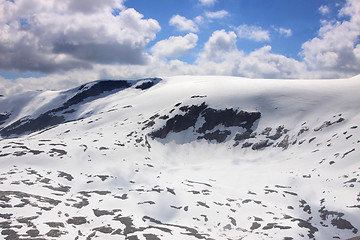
column 182, row 158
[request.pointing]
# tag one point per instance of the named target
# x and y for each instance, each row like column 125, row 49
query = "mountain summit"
column 186, row 157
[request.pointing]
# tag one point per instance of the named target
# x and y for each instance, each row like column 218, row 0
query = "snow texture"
column 182, row 158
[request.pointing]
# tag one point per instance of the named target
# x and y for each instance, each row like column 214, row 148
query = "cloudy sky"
column 50, row 44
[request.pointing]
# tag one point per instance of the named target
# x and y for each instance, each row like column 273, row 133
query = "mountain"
column 187, row 157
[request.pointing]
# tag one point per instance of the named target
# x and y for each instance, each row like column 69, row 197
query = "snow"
column 182, row 187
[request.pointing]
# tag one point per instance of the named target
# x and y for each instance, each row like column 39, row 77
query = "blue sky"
column 47, row 44
column 302, row 17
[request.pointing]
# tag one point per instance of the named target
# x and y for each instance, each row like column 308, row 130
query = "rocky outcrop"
column 213, row 118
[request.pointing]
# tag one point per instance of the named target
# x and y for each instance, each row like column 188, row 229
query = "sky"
column 53, row 45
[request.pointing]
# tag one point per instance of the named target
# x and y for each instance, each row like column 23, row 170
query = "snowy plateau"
column 186, row 157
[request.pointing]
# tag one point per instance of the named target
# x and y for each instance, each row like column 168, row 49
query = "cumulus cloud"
column 323, row 9
column 251, row 32
column 50, row 35
column 207, row 2
column 285, row 31
column 92, row 6
column 219, row 44
column 216, row 15
column 263, row 63
column 335, row 49
column 183, row 24
column 221, row 56
column 175, row 46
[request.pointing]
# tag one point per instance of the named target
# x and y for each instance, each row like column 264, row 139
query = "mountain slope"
column 183, row 158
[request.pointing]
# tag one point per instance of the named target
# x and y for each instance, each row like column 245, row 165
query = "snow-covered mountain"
column 182, row 158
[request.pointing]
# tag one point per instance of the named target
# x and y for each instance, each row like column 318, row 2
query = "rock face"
column 191, row 115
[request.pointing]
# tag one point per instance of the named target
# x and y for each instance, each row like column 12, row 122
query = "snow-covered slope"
column 182, row 158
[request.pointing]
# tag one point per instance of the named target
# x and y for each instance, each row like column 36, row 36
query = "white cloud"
column 255, row 33
column 219, row 44
column 91, row 6
column 175, row 46
column 323, row 9
column 216, row 15
column 183, row 24
column 285, row 31
column 334, row 49
column 262, row 63
column 50, row 35
column 207, row 2
column 199, row 19
column 221, row 56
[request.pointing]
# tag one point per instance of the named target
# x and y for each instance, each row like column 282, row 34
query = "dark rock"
column 213, row 118
column 151, row 236
column 328, row 123
column 128, row 222
column 279, row 132
column 68, row 176
column 60, row 152
column 202, row 204
column 54, row 233
column 291, row 193
column 190, row 231
column 284, row 144
column 90, row 90
column 343, row 224
column 246, row 145
column 26, row 124
column 352, row 150
column 55, row 224
column 35, row 152
column 149, row 124
column 22, row 195
column 282, row 227
column 4, row 116
column 219, row 136
column 84, row 202
column 269, row 226
column 305, row 224
column 228, row 118
column 104, row 229
column 33, row 232
column 145, row 85
column 6, row 215
column 266, row 131
column 77, row 220
column 244, row 135
column 171, row 190
column 100, row 213
column 147, row 202
column 102, row 177
column 60, row 188
column 302, row 130
column 164, row 117
column 123, row 197
column 134, row 237
column 179, row 123
column 261, row 144
column 11, row 234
